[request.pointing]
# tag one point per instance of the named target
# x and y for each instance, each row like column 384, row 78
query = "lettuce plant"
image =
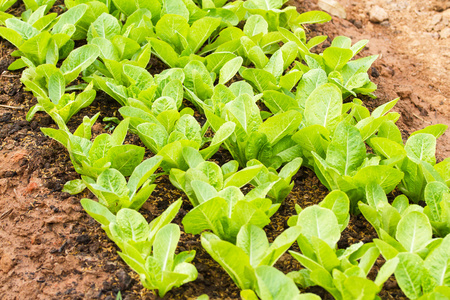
column 333, row 144
column 269, row 141
column 35, row 44
column 219, row 204
column 49, row 84
column 185, row 133
column 250, row 262
column 383, row 216
column 106, row 151
column 113, row 190
column 335, row 64
column 281, row 180
column 149, row 249
column 221, row 207
column 45, row 39
column 343, row 273
column 413, row 234
column 217, row 178
column 416, row 159
column 425, row 278
column 177, row 40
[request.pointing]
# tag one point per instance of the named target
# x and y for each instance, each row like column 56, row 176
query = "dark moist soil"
column 51, row 249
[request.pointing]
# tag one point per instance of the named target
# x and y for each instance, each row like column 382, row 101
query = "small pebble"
column 378, row 14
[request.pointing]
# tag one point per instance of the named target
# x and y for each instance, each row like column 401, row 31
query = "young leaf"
column 324, row 106
column 78, row 60
column 414, row 231
column 319, row 222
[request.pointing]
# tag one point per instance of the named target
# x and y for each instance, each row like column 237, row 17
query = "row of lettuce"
column 228, row 72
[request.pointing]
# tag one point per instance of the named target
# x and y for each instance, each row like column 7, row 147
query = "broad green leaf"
column 319, row 222
column 312, row 17
column 175, row 7
column 421, row 147
column 434, row 193
column 78, row 60
column 165, row 244
column 125, row 158
column 361, row 288
column 229, row 69
column 12, row 36
column 244, row 112
column 260, row 79
column 280, row 125
column 279, row 102
column 386, row 271
column 437, row 130
column 114, row 182
column 263, row 4
column 409, row 274
column 414, row 231
column 339, row 204
column 70, row 17
column 275, row 65
column 200, row 31
column 253, row 241
column 132, row 225
column 387, row 177
column 97, row 211
column 142, row 173
column 335, row 58
column 347, row 151
column 324, row 106
column 171, row 28
column 233, row 259
column 255, row 25
column 105, row 26
column 438, row 263
column 203, row 190
column 164, row 52
column 443, row 168
column 56, row 86
column 242, row 177
column 74, row 187
column 206, row 216
column 273, row 284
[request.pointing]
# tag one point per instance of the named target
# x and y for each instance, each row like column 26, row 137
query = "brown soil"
column 51, row 249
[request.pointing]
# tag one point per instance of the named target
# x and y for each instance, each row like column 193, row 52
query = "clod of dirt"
column 378, row 14
column 445, row 33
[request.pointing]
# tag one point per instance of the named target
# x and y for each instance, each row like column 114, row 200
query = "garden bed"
column 51, row 249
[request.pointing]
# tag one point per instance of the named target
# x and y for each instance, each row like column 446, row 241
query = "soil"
column 51, row 249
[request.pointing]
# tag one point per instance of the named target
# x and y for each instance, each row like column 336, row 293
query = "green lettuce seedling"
column 92, row 158
column 334, row 63
column 149, row 249
column 425, row 278
column 416, row 159
column 337, row 271
column 45, row 38
column 250, row 262
column 49, row 84
column 269, row 141
column 413, row 234
column 113, row 190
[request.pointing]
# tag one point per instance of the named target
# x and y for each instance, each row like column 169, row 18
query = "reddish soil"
column 51, row 249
